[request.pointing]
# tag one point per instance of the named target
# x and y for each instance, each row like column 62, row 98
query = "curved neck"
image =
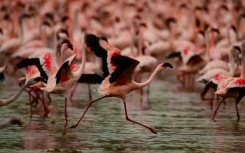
column 4, row 102
column 82, row 65
column 207, row 45
column 232, row 64
column 172, row 35
column 148, row 81
column 21, row 30
column 140, row 42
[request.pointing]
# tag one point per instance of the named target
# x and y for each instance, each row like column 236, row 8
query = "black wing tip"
column 2, row 77
column 40, row 79
column 59, row 72
column 90, row 78
column 22, row 63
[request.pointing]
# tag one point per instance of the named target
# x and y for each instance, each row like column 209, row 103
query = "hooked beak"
column 167, row 65
column 67, row 42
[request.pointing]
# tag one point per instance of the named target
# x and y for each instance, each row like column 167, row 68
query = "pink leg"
column 128, row 119
column 73, row 91
column 46, row 111
column 89, row 104
column 215, row 112
column 65, row 112
column 211, row 101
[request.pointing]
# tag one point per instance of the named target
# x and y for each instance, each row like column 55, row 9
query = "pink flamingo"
column 119, row 83
column 232, row 87
column 214, row 76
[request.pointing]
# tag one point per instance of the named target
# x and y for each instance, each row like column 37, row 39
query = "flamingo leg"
column 30, row 100
column 237, row 113
column 89, row 105
column 211, row 101
column 89, row 92
column 73, row 91
column 128, row 119
column 238, row 99
column 41, row 98
column 215, row 112
column 65, row 112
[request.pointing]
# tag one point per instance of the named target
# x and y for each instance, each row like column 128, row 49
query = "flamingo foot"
column 214, row 120
column 152, row 130
column 45, row 114
column 73, row 126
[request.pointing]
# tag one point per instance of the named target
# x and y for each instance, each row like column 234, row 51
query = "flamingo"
column 233, row 87
column 45, row 65
column 228, row 70
column 119, row 83
column 214, row 76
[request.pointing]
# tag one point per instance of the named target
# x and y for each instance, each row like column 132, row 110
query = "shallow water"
column 181, row 119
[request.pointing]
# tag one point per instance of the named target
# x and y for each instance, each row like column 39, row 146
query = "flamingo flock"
column 51, row 47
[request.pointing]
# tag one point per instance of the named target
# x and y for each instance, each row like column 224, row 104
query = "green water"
column 181, row 119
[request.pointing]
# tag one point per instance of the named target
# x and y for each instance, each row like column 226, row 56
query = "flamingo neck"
column 149, row 80
column 21, row 30
column 207, row 41
column 4, row 102
column 172, row 36
column 82, row 64
column 140, row 43
column 232, row 64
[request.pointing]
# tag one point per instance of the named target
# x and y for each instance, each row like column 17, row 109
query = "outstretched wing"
column 124, row 66
column 64, row 73
column 33, row 61
column 90, row 78
column 92, row 42
column 2, row 73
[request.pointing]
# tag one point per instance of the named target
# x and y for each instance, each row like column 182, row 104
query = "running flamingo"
column 119, row 83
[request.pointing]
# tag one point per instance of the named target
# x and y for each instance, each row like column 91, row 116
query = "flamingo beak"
column 69, row 45
column 167, row 65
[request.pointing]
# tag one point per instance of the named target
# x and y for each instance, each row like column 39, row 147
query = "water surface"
column 181, row 119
